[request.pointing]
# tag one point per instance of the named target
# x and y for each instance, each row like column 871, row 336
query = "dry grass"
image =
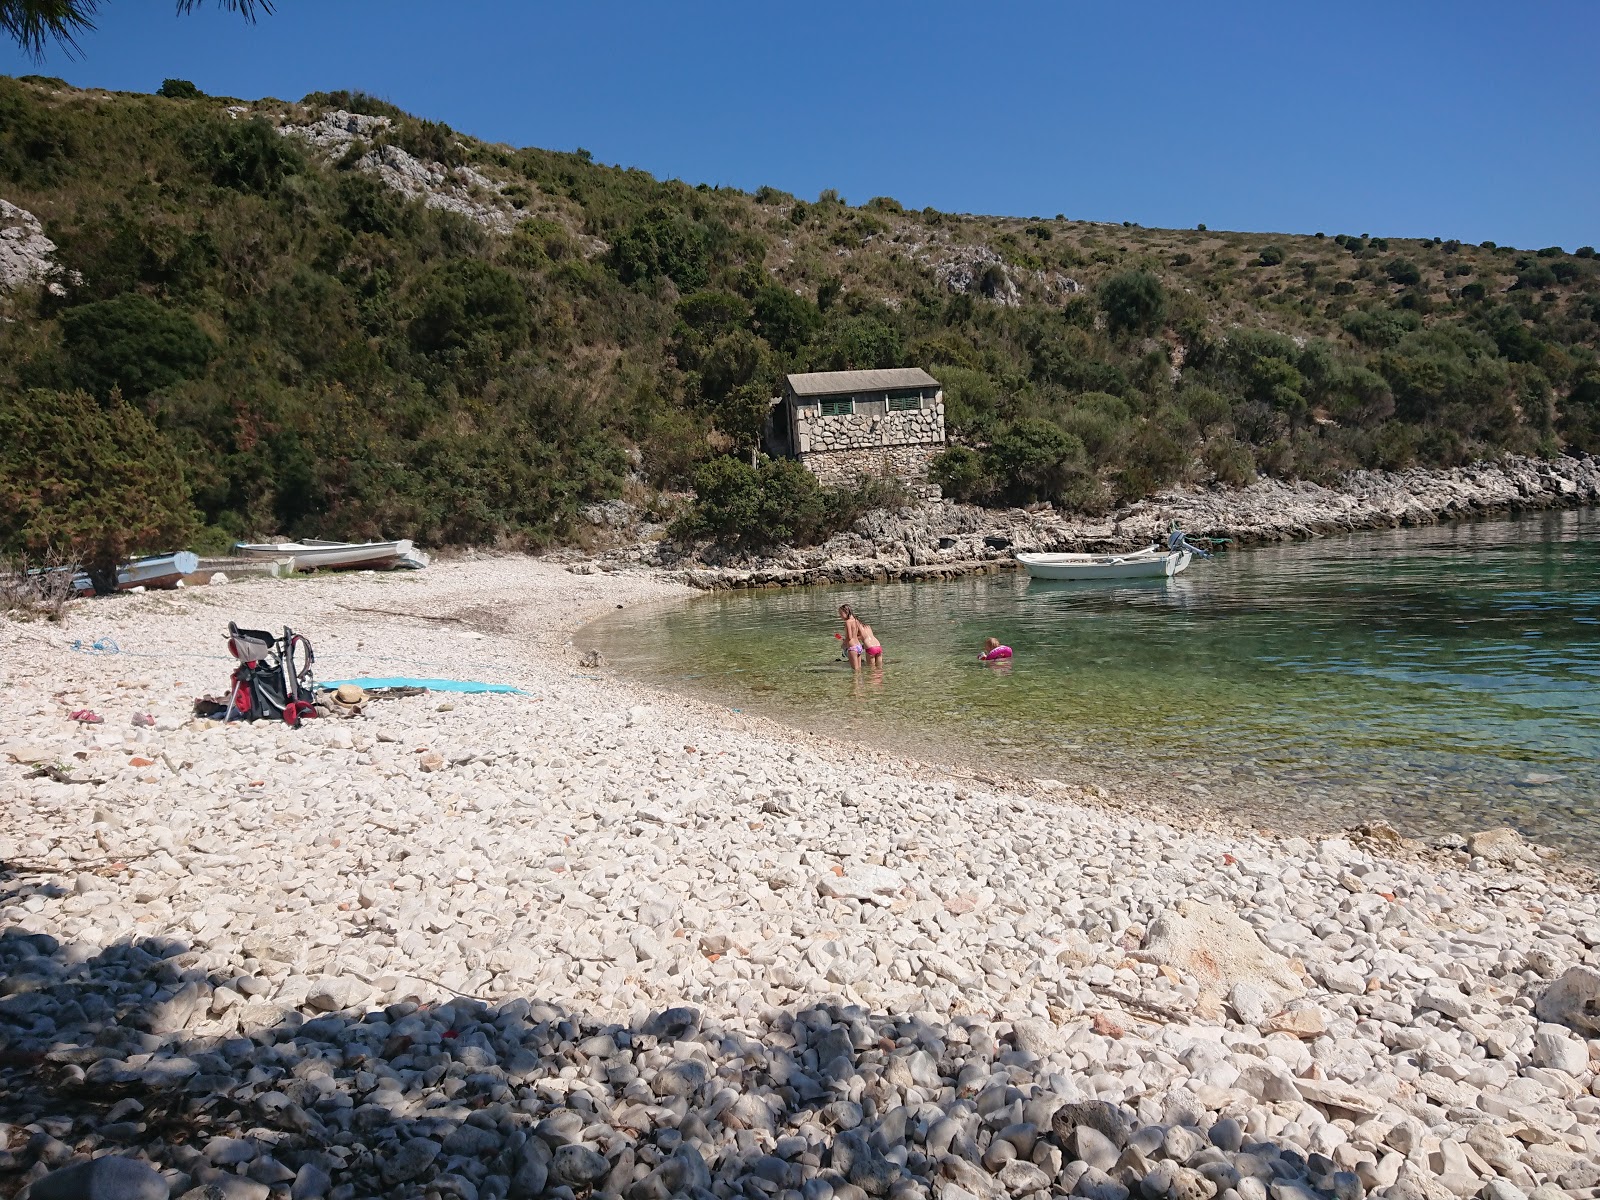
column 35, row 587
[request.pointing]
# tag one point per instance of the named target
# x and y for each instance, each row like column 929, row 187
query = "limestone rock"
column 1111, row 1121
column 110, row 1178
column 1573, row 1001
column 1219, row 949
column 1503, row 846
column 1331, row 1093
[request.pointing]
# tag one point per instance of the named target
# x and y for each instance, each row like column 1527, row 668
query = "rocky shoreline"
column 945, row 540
column 596, row 940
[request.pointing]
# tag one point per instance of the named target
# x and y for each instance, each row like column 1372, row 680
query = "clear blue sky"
column 1457, row 118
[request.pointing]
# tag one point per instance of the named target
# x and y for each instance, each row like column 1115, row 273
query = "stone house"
column 846, row 424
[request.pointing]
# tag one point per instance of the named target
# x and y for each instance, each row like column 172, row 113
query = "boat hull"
column 1104, row 566
column 324, row 556
column 157, row 571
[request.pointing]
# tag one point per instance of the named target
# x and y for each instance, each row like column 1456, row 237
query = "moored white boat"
column 315, row 555
column 1152, row 563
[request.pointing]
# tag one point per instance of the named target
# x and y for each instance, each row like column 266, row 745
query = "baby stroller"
column 273, row 678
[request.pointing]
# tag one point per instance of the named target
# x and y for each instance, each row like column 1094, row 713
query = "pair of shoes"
column 86, row 716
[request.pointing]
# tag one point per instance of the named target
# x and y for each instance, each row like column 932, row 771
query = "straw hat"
column 348, row 700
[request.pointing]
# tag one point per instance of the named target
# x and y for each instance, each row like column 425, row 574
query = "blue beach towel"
column 433, row 685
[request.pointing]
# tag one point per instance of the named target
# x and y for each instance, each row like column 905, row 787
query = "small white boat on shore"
column 157, row 571
column 314, row 555
column 1152, row 563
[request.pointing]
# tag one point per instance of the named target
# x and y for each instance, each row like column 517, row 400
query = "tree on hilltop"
column 34, row 24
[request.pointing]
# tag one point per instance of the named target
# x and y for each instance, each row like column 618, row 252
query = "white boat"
column 1151, row 563
column 314, row 555
column 157, row 571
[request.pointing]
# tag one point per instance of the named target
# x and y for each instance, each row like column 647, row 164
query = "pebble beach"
column 597, row 939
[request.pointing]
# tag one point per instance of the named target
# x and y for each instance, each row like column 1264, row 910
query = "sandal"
column 85, row 716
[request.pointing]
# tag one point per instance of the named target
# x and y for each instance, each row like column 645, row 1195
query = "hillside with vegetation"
column 329, row 318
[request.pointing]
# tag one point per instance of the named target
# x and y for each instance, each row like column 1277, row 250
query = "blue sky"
column 1457, row 118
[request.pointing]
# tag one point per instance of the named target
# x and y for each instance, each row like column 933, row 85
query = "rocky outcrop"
column 25, row 252
column 943, row 540
column 459, row 190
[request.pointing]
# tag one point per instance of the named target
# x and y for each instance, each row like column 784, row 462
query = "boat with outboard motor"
column 1150, row 563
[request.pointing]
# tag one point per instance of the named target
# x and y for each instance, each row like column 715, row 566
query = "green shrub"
column 1034, row 459
column 356, row 102
column 134, row 344
column 250, row 156
column 1155, row 458
column 1133, row 302
column 962, row 474
column 1270, row 256
column 786, row 320
column 1403, row 271
column 1206, row 407
column 1533, row 275
column 1100, row 422
column 179, row 89
column 1230, row 462
column 1579, row 422
column 93, row 480
column 856, row 343
column 466, row 299
column 1381, row 328
column 775, row 503
column 663, row 243
column 370, row 207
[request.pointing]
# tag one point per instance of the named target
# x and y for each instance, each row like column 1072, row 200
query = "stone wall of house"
column 837, row 468
column 815, row 434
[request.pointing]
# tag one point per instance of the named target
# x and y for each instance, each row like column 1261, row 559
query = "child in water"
column 860, row 643
column 993, row 651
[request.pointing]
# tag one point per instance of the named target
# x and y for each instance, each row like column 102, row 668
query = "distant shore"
column 946, row 540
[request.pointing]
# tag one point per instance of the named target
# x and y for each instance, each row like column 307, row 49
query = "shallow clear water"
column 1445, row 678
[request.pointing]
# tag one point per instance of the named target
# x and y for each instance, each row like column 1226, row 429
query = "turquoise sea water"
column 1445, row 678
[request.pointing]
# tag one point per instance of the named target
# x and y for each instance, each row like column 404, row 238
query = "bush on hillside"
column 1230, row 462
column 465, row 301
column 777, row 502
column 1033, row 459
column 785, row 320
column 179, row 89
column 250, row 156
column 1403, row 271
column 134, row 344
column 663, row 243
column 96, row 481
column 1133, row 302
column 962, row 473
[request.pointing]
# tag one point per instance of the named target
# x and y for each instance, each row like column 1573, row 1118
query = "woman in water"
column 859, row 640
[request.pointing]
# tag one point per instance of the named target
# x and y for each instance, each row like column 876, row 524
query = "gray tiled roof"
column 839, row 383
